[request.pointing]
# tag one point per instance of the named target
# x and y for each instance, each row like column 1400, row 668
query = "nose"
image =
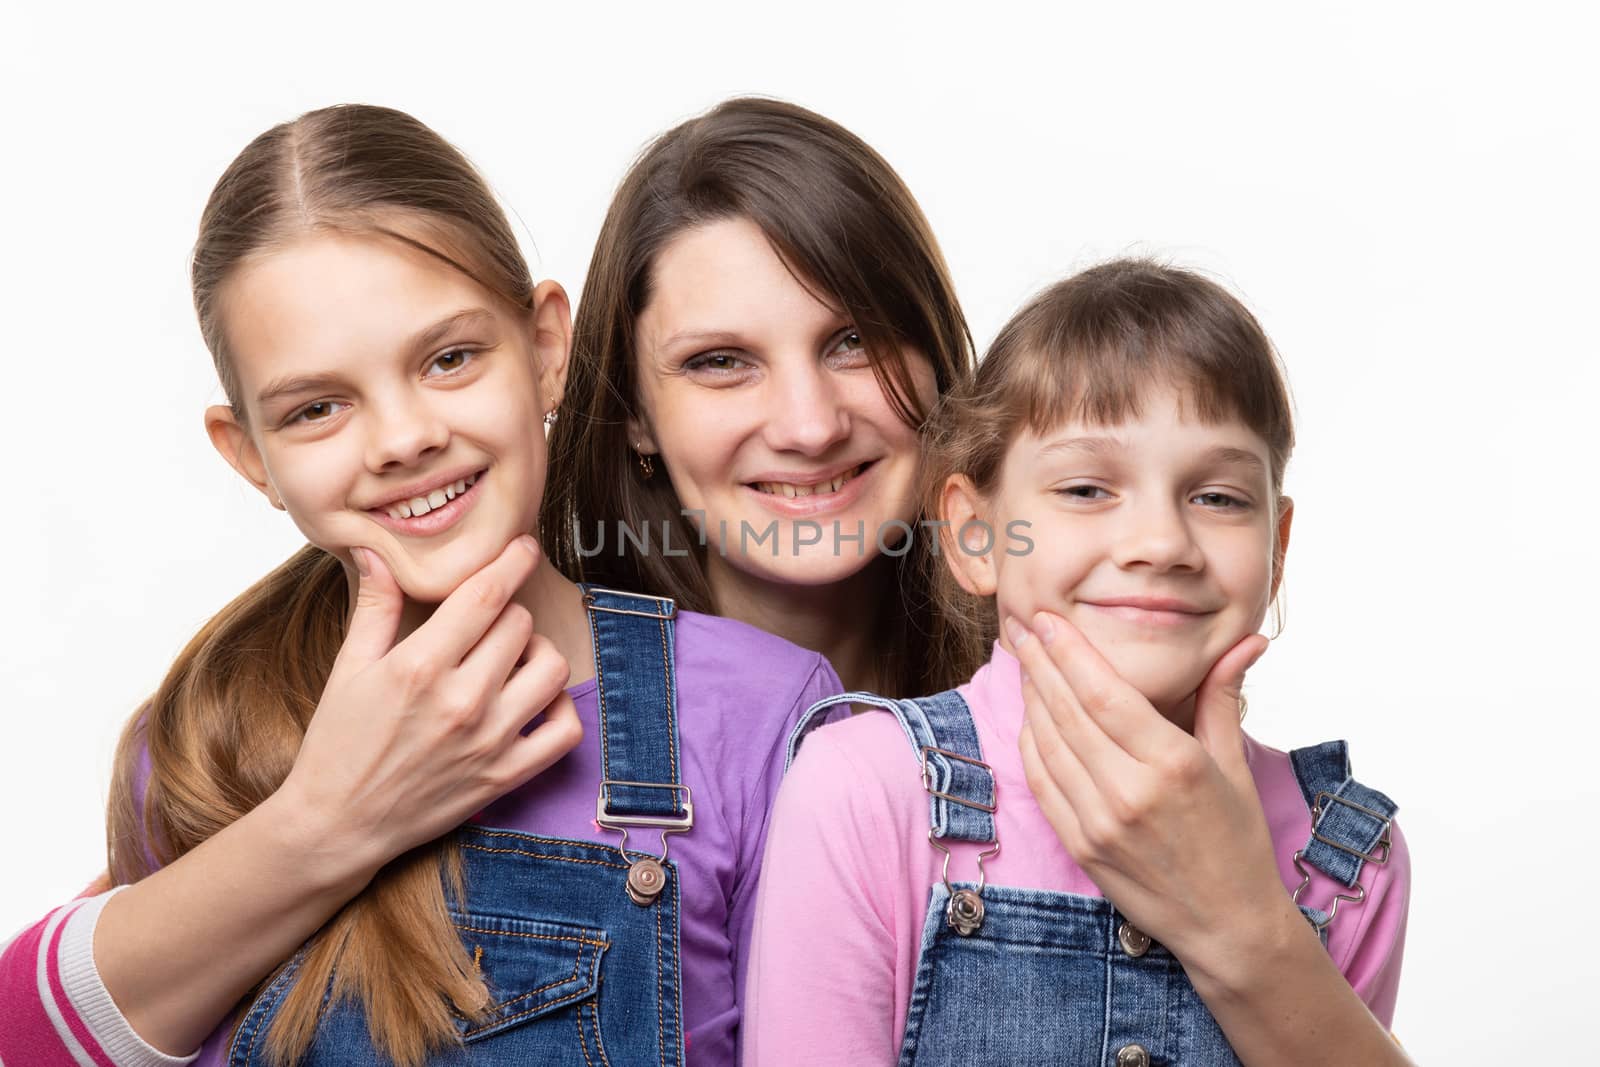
column 1157, row 534
column 805, row 409
column 403, row 430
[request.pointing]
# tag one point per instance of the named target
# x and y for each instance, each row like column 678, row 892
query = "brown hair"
column 1086, row 349
column 843, row 221
column 223, row 729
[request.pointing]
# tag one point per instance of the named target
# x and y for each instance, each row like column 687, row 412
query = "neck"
column 840, row 620
column 556, row 605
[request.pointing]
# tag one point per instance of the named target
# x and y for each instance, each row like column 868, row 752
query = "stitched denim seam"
column 249, row 1053
column 583, row 1043
column 536, row 937
column 532, row 1011
column 542, row 856
column 672, row 719
column 600, row 689
column 661, row 1011
column 599, row 1043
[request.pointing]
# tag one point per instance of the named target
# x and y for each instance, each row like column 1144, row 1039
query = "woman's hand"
column 410, row 739
column 1168, row 825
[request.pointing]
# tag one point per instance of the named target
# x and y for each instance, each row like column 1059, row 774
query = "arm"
column 174, row 952
column 821, row 986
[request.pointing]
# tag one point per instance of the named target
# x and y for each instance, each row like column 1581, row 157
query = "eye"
column 451, row 361
column 1084, row 492
column 316, row 411
column 849, row 349
column 1221, row 501
column 721, row 362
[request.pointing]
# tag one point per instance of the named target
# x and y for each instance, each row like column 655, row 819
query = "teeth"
column 438, row 498
column 789, row 489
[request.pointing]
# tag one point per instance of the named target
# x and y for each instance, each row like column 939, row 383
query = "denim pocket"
column 532, row 968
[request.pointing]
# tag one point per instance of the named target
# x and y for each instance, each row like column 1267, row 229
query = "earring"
column 550, row 418
column 646, row 464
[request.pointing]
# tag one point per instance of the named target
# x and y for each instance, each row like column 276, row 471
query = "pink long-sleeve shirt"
column 848, row 868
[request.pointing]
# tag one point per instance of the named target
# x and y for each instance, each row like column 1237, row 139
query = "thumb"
column 376, row 619
column 1216, row 712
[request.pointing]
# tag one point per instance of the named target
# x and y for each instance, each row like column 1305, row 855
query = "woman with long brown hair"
column 339, row 831
column 765, row 324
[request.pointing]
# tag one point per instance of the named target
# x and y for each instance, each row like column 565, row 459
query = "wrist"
column 1242, row 962
column 330, row 856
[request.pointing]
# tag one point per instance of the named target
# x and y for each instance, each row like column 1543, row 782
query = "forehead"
column 1163, row 424
column 325, row 299
column 725, row 276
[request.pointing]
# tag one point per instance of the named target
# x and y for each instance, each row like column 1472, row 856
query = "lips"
column 1158, row 612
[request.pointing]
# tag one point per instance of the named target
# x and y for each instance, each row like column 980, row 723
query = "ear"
column 234, row 444
column 552, row 340
column 1281, row 547
column 972, row 560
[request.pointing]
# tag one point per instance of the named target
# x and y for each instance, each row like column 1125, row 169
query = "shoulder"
column 862, row 765
column 1376, row 926
column 725, row 663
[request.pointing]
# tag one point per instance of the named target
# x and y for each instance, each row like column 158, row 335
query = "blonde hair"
column 226, row 724
column 1086, row 349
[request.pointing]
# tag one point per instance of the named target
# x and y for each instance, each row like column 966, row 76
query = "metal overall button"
column 646, row 879
column 1134, row 941
column 1133, row 1056
column 964, row 912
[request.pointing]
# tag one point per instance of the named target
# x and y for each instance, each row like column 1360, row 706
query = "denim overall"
column 1030, row 976
column 546, row 919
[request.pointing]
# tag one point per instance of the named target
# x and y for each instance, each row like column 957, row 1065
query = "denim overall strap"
column 961, row 787
column 637, row 686
column 1349, row 827
column 1350, row 821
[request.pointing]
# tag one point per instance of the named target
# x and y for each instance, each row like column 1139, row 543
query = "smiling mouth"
column 791, row 489
column 419, row 506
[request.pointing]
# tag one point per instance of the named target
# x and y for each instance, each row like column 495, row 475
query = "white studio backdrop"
column 1404, row 194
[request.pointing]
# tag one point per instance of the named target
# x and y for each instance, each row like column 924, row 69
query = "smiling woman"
column 766, row 323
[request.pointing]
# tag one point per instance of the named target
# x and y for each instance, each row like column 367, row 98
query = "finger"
column 1109, row 700
column 532, row 688
column 1057, row 810
column 1061, row 707
column 467, row 613
column 558, row 732
column 493, row 660
column 1216, row 712
column 1072, row 775
column 376, row 618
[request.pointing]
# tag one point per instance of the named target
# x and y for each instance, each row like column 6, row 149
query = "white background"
column 1405, row 195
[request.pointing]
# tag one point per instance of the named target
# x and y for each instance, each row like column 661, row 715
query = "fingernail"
column 527, row 542
column 1044, row 628
column 1016, row 631
column 363, row 568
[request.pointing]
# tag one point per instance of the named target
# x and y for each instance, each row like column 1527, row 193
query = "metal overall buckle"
column 671, row 612
column 647, row 876
column 964, row 913
column 1379, row 855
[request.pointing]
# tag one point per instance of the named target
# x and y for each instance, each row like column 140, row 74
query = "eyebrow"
column 424, row 338
column 1100, row 446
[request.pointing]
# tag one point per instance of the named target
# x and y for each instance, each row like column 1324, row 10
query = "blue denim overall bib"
column 1030, row 976
column 574, row 939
